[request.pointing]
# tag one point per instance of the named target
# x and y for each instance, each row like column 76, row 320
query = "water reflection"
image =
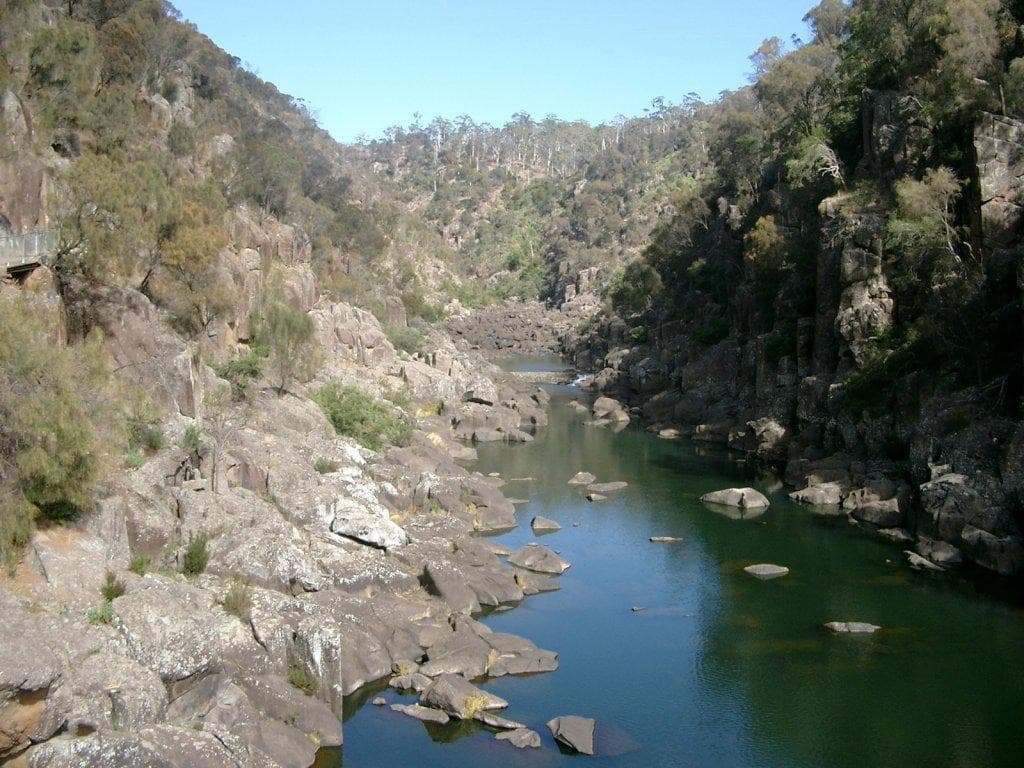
column 720, row 668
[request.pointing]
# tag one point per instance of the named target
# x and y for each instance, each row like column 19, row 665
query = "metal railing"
column 24, row 250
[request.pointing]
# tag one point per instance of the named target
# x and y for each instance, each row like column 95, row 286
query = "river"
column 720, row 669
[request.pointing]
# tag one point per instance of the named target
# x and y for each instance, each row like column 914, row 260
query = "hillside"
column 240, row 362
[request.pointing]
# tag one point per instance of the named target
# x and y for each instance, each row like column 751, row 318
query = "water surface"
column 721, row 669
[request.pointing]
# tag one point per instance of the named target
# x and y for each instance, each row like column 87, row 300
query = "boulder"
column 371, row 527
column 921, row 563
column 939, row 552
column 596, row 497
column 582, row 478
column 544, row 525
column 425, row 714
column 458, row 697
column 575, row 732
column 766, row 571
column 605, row 408
column 534, row 557
column 826, row 494
column 1002, row 554
column 665, row 539
column 522, row 738
column 742, row 498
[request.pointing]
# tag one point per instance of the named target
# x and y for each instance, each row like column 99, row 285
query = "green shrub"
column 139, row 564
column 298, row 678
column 113, row 587
column 143, row 435
column 102, row 615
column 238, row 601
column 192, row 439
column 17, row 520
column 405, row 338
column 637, row 334
column 325, row 466
column 134, row 459
column 357, row 414
column 242, row 372
column 196, row 555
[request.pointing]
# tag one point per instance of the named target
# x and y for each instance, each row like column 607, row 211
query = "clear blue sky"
column 363, row 66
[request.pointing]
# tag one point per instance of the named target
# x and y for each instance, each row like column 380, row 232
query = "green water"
column 721, row 669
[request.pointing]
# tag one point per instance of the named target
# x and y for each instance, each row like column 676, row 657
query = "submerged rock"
column 766, row 571
column 497, row 721
column 851, row 628
column 665, row 539
column 592, row 497
column 618, row 485
column 582, row 478
column 534, row 557
column 575, row 732
column 426, row 714
column 522, row 738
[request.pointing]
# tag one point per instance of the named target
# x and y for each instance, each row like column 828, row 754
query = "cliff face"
column 855, row 425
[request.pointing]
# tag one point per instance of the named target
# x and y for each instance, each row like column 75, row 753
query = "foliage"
column 288, row 334
column 925, row 212
column 196, row 556
column 191, row 440
column 406, row 338
column 325, row 466
column 241, row 372
column 113, row 587
column 104, row 614
column 357, row 414
column 238, row 601
column 189, row 282
column 139, row 564
column 635, row 287
column 58, row 419
column 301, row 680
column 764, row 246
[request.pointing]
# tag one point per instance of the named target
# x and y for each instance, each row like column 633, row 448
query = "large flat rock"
column 458, row 697
column 534, row 557
column 575, row 732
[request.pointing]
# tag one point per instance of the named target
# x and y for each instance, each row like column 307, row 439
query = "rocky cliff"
column 858, row 428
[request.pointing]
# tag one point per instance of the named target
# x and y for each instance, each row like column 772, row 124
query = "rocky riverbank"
column 325, row 565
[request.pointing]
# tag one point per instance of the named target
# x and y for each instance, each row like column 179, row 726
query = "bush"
column 238, row 601
column 139, row 564
column 113, row 587
column 634, row 288
column 325, row 466
column 17, row 519
column 192, row 439
column 134, row 459
column 102, row 615
column 242, row 372
column 298, row 678
column 357, row 414
column 60, row 419
column 196, row 556
column 148, row 436
column 288, row 334
column 405, row 338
